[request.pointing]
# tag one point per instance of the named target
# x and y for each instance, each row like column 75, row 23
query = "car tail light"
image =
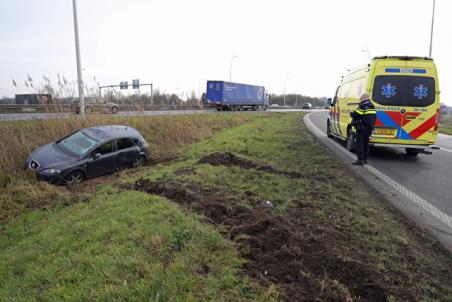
column 438, row 113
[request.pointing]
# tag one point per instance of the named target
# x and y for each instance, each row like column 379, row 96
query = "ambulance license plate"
column 385, row 131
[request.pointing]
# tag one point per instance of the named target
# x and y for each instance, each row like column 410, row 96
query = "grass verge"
column 121, row 247
column 321, row 236
column 326, row 236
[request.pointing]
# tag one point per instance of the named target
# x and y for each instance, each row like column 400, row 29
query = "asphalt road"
column 47, row 116
column 429, row 176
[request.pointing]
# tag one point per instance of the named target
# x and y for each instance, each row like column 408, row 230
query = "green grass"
column 403, row 258
column 127, row 245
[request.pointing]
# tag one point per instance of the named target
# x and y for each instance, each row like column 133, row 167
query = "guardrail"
column 102, row 108
column 38, row 108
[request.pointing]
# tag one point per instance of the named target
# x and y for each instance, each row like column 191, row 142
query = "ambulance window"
column 413, row 91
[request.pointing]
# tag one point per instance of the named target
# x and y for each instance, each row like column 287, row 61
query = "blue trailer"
column 234, row 96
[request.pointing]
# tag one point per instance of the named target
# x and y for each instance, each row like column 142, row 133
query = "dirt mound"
column 227, row 159
column 301, row 260
column 230, row 159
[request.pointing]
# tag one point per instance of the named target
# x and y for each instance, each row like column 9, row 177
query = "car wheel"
column 89, row 109
column 328, row 130
column 114, row 110
column 411, row 151
column 74, row 178
column 350, row 141
column 138, row 162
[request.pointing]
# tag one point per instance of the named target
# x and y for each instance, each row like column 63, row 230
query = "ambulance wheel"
column 411, row 151
column 350, row 141
column 328, row 130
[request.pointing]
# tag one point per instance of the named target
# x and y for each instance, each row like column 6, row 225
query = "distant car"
column 92, row 105
column 274, row 106
column 89, row 153
column 327, row 106
column 307, row 106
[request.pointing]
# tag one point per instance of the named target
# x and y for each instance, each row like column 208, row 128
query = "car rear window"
column 124, row 143
column 413, row 91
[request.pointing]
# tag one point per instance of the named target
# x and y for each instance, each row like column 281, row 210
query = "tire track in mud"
column 304, row 261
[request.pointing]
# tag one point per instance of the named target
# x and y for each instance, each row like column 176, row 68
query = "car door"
column 127, row 152
column 103, row 160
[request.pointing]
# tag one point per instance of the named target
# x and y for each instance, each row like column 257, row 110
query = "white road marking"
column 444, row 140
column 431, row 209
column 444, row 149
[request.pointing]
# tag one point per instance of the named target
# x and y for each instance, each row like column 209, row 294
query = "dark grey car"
column 307, row 106
column 88, row 153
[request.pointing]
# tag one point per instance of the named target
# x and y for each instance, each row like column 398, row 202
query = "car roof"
column 109, row 132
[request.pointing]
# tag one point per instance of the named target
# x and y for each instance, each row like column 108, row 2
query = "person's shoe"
column 358, row 163
column 365, row 161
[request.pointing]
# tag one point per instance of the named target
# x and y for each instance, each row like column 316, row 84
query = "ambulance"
column 405, row 93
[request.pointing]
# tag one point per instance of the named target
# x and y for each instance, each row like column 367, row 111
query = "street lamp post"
column 230, row 67
column 431, row 32
column 79, row 64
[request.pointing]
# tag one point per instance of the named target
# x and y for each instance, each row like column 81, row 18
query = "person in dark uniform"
column 363, row 119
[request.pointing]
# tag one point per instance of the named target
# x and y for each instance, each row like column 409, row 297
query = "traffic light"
column 136, row 84
column 123, row 85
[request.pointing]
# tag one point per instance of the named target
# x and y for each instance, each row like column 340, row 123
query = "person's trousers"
column 362, row 144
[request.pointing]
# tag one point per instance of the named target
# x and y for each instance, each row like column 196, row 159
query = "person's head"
column 364, row 97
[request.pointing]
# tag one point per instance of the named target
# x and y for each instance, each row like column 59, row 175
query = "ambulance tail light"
column 438, row 113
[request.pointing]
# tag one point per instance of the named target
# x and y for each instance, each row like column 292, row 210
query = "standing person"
column 363, row 119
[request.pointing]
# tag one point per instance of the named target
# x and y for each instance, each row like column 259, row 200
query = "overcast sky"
column 176, row 43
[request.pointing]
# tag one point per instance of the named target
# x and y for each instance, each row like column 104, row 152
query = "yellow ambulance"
column 405, row 93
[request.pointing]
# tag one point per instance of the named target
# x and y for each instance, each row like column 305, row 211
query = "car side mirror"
column 96, row 155
column 329, row 101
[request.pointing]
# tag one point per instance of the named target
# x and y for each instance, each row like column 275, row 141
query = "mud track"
column 303, row 261
column 230, row 159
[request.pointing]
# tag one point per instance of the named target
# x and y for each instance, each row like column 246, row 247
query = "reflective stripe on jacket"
column 365, row 111
column 365, row 115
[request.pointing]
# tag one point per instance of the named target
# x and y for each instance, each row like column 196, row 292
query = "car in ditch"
column 89, row 153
